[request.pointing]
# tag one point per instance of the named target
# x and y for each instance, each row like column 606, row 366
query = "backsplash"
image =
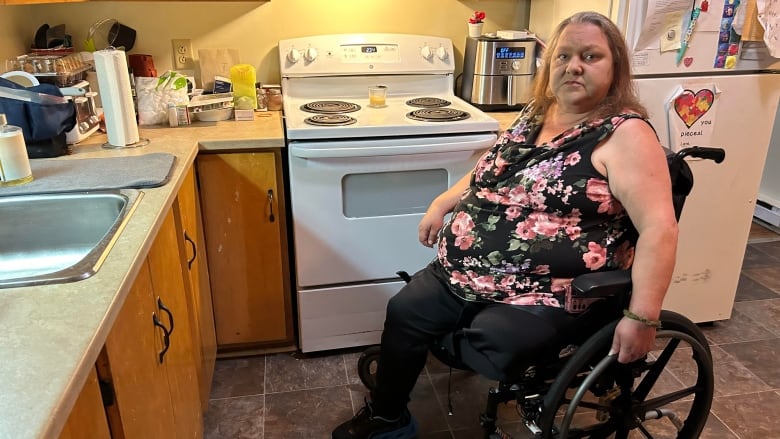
column 255, row 27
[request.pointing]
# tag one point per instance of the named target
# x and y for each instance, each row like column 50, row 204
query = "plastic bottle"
column 243, row 77
column 14, row 162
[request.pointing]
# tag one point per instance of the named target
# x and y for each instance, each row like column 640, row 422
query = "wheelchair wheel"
column 367, row 364
column 667, row 394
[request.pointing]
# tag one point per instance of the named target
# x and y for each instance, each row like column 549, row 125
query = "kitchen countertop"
column 50, row 336
column 504, row 118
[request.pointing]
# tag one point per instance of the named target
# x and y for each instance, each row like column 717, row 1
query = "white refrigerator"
column 693, row 102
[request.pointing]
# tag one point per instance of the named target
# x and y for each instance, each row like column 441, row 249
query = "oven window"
column 391, row 193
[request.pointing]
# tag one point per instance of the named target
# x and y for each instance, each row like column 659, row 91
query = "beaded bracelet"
column 648, row 322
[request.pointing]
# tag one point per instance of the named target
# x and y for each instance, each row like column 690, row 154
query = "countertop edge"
column 55, row 333
column 72, row 390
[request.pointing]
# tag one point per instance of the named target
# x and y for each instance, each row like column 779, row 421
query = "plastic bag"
column 154, row 95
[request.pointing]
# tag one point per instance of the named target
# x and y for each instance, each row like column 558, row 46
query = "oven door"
column 356, row 204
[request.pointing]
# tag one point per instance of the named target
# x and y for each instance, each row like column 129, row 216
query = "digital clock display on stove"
column 510, row 52
column 368, row 49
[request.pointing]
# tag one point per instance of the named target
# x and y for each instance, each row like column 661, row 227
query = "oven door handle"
column 376, row 148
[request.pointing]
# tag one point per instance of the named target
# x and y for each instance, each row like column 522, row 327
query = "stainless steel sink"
column 57, row 238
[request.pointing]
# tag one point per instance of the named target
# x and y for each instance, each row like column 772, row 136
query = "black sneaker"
column 367, row 426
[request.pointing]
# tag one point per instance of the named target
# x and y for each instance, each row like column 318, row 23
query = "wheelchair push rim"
column 623, row 398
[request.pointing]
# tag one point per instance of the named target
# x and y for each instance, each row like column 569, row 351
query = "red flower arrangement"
column 478, row 17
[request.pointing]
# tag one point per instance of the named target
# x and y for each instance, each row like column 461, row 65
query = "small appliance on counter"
column 87, row 118
column 498, row 72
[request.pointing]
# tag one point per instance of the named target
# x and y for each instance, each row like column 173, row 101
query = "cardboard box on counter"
column 244, row 114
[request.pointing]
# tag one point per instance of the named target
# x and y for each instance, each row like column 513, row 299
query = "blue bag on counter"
column 44, row 116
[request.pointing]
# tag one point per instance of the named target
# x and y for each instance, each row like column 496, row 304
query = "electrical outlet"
column 182, row 54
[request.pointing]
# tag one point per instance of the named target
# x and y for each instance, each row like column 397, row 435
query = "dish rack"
column 62, row 71
column 216, row 101
column 212, row 107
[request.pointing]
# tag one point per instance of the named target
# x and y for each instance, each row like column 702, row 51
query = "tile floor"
column 304, row 396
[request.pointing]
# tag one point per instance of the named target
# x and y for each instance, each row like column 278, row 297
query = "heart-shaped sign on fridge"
column 691, row 106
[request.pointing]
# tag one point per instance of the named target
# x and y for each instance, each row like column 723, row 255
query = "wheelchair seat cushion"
column 502, row 341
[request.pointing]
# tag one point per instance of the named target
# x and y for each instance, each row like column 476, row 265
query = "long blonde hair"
column 621, row 95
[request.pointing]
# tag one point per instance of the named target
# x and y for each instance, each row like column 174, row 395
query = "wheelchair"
column 577, row 390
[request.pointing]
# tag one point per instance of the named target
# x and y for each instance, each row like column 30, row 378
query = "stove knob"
column 441, row 52
column 294, row 55
column 310, row 55
column 426, row 52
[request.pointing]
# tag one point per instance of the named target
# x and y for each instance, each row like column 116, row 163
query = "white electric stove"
column 362, row 177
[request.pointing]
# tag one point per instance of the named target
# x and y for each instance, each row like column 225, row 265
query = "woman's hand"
column 430, row 224
column 429, row 227
column 632, row 340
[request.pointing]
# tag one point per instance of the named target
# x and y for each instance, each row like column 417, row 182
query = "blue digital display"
column 510, row 52
column 368, row 49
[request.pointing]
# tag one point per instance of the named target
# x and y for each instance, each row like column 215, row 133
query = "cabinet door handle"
column 166, row 337
column 164, row 309
column 271, row 205
column 194, row 250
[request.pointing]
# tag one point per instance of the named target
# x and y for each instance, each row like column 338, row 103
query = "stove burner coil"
column 333, row 120
column 330, row 107
column 427, row 102
column 438, row 115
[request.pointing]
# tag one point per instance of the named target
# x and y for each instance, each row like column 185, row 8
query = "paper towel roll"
column 117, row 97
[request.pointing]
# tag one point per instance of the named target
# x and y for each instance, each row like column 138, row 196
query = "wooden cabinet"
column 246, row 243
column 149, row 354
column 87, row 418
column 38, row 2
column 130, row 362
column 192, row 247
column 34, row 2
column 172, row 304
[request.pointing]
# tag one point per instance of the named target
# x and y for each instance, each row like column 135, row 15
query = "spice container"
column 274, row 97
column 260, row 92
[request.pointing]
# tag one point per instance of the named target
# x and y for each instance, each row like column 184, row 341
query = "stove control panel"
column 346, row 54
column 369, row 53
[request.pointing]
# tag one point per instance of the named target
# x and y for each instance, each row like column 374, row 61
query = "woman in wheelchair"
column 579, row 184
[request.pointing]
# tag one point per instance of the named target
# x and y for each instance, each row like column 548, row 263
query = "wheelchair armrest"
column 601, row 284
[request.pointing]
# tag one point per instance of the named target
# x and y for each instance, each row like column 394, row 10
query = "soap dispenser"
column 14, row 162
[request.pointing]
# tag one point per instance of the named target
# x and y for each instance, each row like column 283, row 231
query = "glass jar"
column 274, row 98
column 261, row 99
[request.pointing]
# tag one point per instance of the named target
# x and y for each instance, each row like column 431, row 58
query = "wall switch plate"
column 182, row 54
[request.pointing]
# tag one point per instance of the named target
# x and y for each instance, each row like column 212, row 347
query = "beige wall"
column 13, row 33
column 254, row 28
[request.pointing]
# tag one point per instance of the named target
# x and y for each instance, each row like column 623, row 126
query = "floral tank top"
column 535, row 217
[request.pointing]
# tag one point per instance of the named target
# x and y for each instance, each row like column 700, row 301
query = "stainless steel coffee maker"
column 498, row 73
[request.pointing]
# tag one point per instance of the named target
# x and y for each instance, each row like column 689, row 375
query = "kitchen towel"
column 79, row 175
column 117, row 97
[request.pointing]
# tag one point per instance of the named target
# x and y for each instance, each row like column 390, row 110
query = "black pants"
column 425, row 309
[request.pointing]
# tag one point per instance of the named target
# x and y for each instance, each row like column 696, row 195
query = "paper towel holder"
column 141, row 142
column 118, row 108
